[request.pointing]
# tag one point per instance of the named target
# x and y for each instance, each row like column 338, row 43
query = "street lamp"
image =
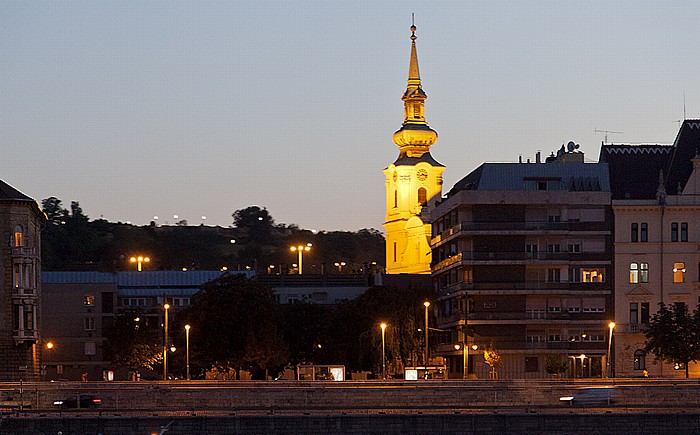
column 340, row 265
column 611, row 325
column 139, row 261
column 187, row 349
column 426, row 304
column 166, row 307
column 300, row 249
column 383, row 326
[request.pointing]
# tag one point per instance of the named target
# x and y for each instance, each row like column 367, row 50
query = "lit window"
column 678, row 272
column 593, row 275
column 634, row 273
column 89, row 300
column 19, row 237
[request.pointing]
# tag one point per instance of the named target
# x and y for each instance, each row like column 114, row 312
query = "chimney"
column 538, row 157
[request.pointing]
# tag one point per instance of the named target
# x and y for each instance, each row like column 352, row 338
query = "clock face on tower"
column 422, row 175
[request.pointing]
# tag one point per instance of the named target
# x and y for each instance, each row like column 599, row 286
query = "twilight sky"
column 145, row 108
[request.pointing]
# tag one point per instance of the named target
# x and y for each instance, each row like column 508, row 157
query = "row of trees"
column 71, row 241
column 236, row 324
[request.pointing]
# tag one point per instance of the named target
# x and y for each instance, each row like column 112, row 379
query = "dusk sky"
column 145, row 108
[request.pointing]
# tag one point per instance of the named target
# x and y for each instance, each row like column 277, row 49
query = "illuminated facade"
column 20, row 261
column 413, row 183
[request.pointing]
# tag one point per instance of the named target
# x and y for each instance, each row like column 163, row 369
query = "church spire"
column 414, row 137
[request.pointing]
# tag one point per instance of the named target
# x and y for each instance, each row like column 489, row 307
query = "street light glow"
column 49, row 345
column 300, row 249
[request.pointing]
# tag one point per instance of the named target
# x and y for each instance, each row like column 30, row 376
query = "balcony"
column 514, row 228
column 525, row 287
column 25, row 335
column 522, row 257
column 23, row 291
column 23, row 251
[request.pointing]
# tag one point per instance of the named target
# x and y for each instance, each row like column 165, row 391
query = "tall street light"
column 166, row 307
column 383, row 326
column 611, row 325
column 187, row 351
column 300, row 249
column 426, row 304
column 139, row 261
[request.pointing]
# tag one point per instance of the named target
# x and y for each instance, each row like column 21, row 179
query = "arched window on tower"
column 422, row 196
column 396, row 198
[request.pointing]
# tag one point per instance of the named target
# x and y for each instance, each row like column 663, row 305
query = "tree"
column 493, row 358
column 554, row 365
column 255, row 222
column 237, row 325
column 673, row 334
column 130, row 345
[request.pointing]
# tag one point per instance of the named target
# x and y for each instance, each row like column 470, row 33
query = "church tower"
column 413, row 182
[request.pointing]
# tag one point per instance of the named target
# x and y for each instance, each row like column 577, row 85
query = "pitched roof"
column 572, row 176
column 634, row 169
column 8, row 192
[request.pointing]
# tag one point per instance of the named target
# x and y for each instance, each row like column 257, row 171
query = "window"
column 489, row 305
column 531, row 365
column 19, row 237
column 639, row 360
column 181, row 302
column 394, row 252
column 554, row 309
column 634, row 313
column 89, row 323
column 553, row 218
column 644, row 233
column 422, row 196
column 684, row 231
column 534, row 339
column 678, row 272
column 89, row 300
column 593, row 275
column 574, row 309
column 643, row 272
column 554, row 337
column 396, row 198
column 634, row 273
column 552, row 248
column 674, row 231
column 575, row 248
column 574, row 274
column 535, row 314
column 634, row 234
column 135, row 302
column 645, row 313
column 553, row 275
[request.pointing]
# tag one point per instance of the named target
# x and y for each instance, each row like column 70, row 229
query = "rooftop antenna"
column 606, row 133
column 413, row 19
column 684, row 117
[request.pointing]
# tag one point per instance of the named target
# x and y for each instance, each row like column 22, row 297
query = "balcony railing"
column 522, row 256
column 526, row 285
column 522, row 226
column 24, row 334
column 23, row 251
column 23, row 291
column 540, row 316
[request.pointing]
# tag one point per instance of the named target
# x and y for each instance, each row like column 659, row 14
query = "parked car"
column 592, row 396
column 79, row 401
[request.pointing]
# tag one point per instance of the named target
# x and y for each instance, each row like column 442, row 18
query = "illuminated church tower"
column 413, row 182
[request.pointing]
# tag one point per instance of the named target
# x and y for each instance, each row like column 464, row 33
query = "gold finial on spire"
column 413, row 27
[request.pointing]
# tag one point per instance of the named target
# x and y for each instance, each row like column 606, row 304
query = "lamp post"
column 383, row 326
column 340, row 265
column 426, row 304
column 139, row 261
column 611, row 325
column 187, row 349
column 300, row 249
column 166, row 307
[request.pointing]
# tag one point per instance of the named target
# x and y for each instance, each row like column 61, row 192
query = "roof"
column 635, row 169
column 571, row 176
column 8, row 192
column 78, row 277
column 404, row 160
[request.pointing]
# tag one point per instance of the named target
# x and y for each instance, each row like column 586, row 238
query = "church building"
column 413, row 182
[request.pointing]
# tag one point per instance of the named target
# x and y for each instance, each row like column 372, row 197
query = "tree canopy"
column 673, row 334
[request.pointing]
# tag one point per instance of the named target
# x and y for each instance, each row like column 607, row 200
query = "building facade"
column 413, row 182
column 522, row 262
column 656, row 204
column 21, row 220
